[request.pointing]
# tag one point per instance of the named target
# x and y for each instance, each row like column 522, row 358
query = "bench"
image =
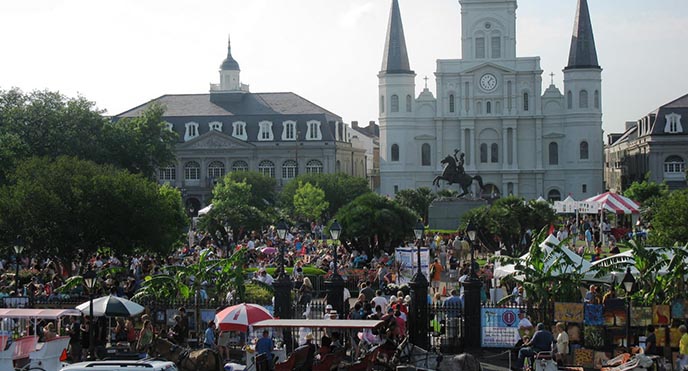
column 48, row 356
column 328, row 362
column 295, row 361
column 22, row 348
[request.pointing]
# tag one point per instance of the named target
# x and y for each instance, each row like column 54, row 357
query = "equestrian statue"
column 455, row 173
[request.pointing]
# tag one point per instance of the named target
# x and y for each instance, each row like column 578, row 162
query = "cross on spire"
column 426, row 81
column 551, row 75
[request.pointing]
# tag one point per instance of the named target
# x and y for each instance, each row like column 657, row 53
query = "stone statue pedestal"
column 446, row 212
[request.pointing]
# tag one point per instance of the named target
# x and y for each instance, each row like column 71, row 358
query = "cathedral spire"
column 395, row 58
column 582, row 53
column 229, row 63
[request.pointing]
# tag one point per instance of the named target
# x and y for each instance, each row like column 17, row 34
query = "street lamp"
column 90, row 279
column 18, row 248
column 418, row 313
column 628, row 283
column 472, row 232
column 281, row 233
column 335, row 284
column 472, row 288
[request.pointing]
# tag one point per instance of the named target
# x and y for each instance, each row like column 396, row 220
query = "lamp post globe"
column 335, row 230
column 90, row 279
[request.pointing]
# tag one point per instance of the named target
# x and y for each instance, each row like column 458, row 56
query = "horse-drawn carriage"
column 24, row 351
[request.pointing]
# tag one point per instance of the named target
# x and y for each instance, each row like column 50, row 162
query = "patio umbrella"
column 111, row 306
column 239, row 317
column 268, row 250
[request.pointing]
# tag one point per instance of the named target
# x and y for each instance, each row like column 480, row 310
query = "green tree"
column 670, row 222
column 65, row 205
column 372, row 216
column 340, row 189
column 649, row 194
column 232, row 204
column 139, row 144
column 262, row 187
column 418, row 200
column 309, row 201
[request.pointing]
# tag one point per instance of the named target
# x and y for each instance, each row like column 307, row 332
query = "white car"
column 122, row 365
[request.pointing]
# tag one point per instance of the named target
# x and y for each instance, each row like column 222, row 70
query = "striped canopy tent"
column 616, row 203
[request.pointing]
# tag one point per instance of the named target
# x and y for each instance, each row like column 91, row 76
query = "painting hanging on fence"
column 568, row 312
column 674, row 337
column 641, row 316
column 660, row 314
column 574, row 333
column 660, row 333
column 584, row 357
column 614, row 312
column 678, row 309
column 593, row 315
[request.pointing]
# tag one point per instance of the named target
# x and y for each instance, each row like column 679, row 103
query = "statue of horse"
column 187, row 359
column 452, row 175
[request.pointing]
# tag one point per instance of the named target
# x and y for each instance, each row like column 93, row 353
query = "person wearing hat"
column 312, row 349
column 328, row 309
column 541, row 342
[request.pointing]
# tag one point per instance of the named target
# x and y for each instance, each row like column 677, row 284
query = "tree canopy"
column 309, row 201
column 371, row 217
column 340, row 189
column 418, row 200
column 64, row 205
column 670, row 221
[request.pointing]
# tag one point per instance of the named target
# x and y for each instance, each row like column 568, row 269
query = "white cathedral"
column 490, row 106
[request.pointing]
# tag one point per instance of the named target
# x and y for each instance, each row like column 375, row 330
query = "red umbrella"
column 239, row 317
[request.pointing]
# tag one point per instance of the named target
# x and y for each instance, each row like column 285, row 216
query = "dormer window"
column 169, row 126
column 215, row 125
column 239, row 130
column 265, row 131
column 191, row 130
column 313, row 132
column 289, row 130
column 673, row 123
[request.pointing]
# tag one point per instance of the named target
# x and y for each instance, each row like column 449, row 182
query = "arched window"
column 488, row 107
column 553, row 195
column 451, row 103
column 290, row 169
column 674, row 166
column 479, row 108
column 216, row 170
column 395, row 103
column 215, row 125
column 553, row 153
column 167, row 173
column 480, row 47
column 597, row 99
column 583, row 150
column 395, row 152
column 569, row 100
column 314, row 167
column 494, row 153
column 239, row 130
column 267, row 168
column 483, row 153
column 425, row 154
column 382, row 104
column 192, row 171
column 191, row 130
column 583, row 99
column 240, row 165
column 409, row 103
column 526, row 104
column 289, row 130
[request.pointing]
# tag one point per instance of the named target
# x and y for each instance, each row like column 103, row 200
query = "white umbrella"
column 111, row 306
column 205, row 210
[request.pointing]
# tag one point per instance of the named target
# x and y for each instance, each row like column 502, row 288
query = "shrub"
column 257, row 294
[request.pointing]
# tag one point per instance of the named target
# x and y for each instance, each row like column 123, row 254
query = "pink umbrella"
column 239, row 317
column 269, row 250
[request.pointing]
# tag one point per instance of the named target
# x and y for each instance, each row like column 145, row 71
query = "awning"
column 616, row 203
column 37, row 313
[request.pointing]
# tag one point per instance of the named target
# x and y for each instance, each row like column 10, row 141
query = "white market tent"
column 581, row 264
column 205, row 210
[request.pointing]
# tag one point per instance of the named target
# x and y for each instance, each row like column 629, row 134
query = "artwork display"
column 574, row 333
column 615, row 312
column 584, row 357
column 641, row 316
column 678, row 309
column 660, row 333
column 660, row 314
column 674, row 337
column 568, row 312
column 593, row 315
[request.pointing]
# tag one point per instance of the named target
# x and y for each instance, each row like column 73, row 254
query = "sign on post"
column 499, row 327
column 407, row 258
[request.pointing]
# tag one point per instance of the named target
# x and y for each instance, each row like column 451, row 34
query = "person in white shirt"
column 380, row 300
column 525, row 328
column 264, row 277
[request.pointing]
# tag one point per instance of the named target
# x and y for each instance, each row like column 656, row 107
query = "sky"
column 123, row 53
